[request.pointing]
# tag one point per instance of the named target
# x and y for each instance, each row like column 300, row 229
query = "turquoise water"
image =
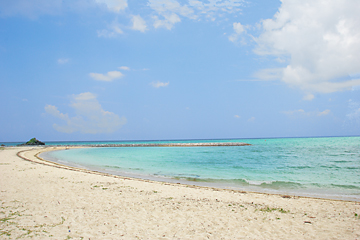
column 320, row 167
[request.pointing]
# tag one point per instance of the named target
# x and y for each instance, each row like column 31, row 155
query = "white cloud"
column 138, row 24
column 84, row 96
column 52, row 110
column 112, row 30
column 108, row 77
column 114, row 5
column 323, row 113
column 164, row 7
column 124, row 68
column 110, row 33
column 212, row 6
column 159, row 84
column 89, row 116
column 62, row 60
column 301, row 112
column 169, row 12
column 319, row 40
column 237, row 116
column 168, row 22
column 238, row 30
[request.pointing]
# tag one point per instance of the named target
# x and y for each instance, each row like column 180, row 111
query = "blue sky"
column 178, row 69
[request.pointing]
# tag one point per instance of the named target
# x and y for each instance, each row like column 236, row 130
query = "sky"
column 91, row 70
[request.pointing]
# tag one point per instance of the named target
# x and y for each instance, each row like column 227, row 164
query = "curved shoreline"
column 171, row 181
column 42, row 200
column 204, row 144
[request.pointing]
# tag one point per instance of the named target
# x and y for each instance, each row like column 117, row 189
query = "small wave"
column 352, row 168
column 330, row 167
column 122, row 168
column 299, row 167
column 245, row 183
column 281, row 185
column 110, row 166
column 346, row 186
column 341, row 161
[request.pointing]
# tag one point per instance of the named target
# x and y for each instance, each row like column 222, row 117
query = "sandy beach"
column 43, row 200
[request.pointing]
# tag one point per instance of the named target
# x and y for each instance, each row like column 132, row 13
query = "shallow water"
column 319, row 167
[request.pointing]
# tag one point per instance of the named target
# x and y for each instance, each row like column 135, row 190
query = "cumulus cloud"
column 238, row 30
column 114, row 5
column 138, row 24
column 89, row 116
column 124, row 68
column 319, row 40
column 168, row 12
column 106, row 77
column 52, row 110
column 168, row 22
column 159, row 84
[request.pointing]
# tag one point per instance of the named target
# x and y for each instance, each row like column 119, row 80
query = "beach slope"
column 49, row 201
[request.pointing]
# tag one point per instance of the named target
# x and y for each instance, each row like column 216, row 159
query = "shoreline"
column 198, row 144
column 54, row 203
column 254, row 188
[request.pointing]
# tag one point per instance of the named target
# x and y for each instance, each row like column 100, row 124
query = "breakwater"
column 206, row 144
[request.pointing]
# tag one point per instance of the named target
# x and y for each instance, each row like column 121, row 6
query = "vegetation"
column 31, row 141
column 267, row 209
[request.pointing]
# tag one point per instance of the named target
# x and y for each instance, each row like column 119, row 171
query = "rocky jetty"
column 32, row 142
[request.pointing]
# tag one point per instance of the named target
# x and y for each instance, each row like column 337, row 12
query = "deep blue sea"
column 317, row 167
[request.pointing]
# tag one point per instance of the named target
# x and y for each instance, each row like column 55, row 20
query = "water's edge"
column 194, row 182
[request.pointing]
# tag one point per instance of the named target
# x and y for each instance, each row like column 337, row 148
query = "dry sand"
column 50, row 202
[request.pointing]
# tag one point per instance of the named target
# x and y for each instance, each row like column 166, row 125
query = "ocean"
column 326, row 167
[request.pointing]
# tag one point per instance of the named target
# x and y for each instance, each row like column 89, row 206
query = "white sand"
column 47, row 202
